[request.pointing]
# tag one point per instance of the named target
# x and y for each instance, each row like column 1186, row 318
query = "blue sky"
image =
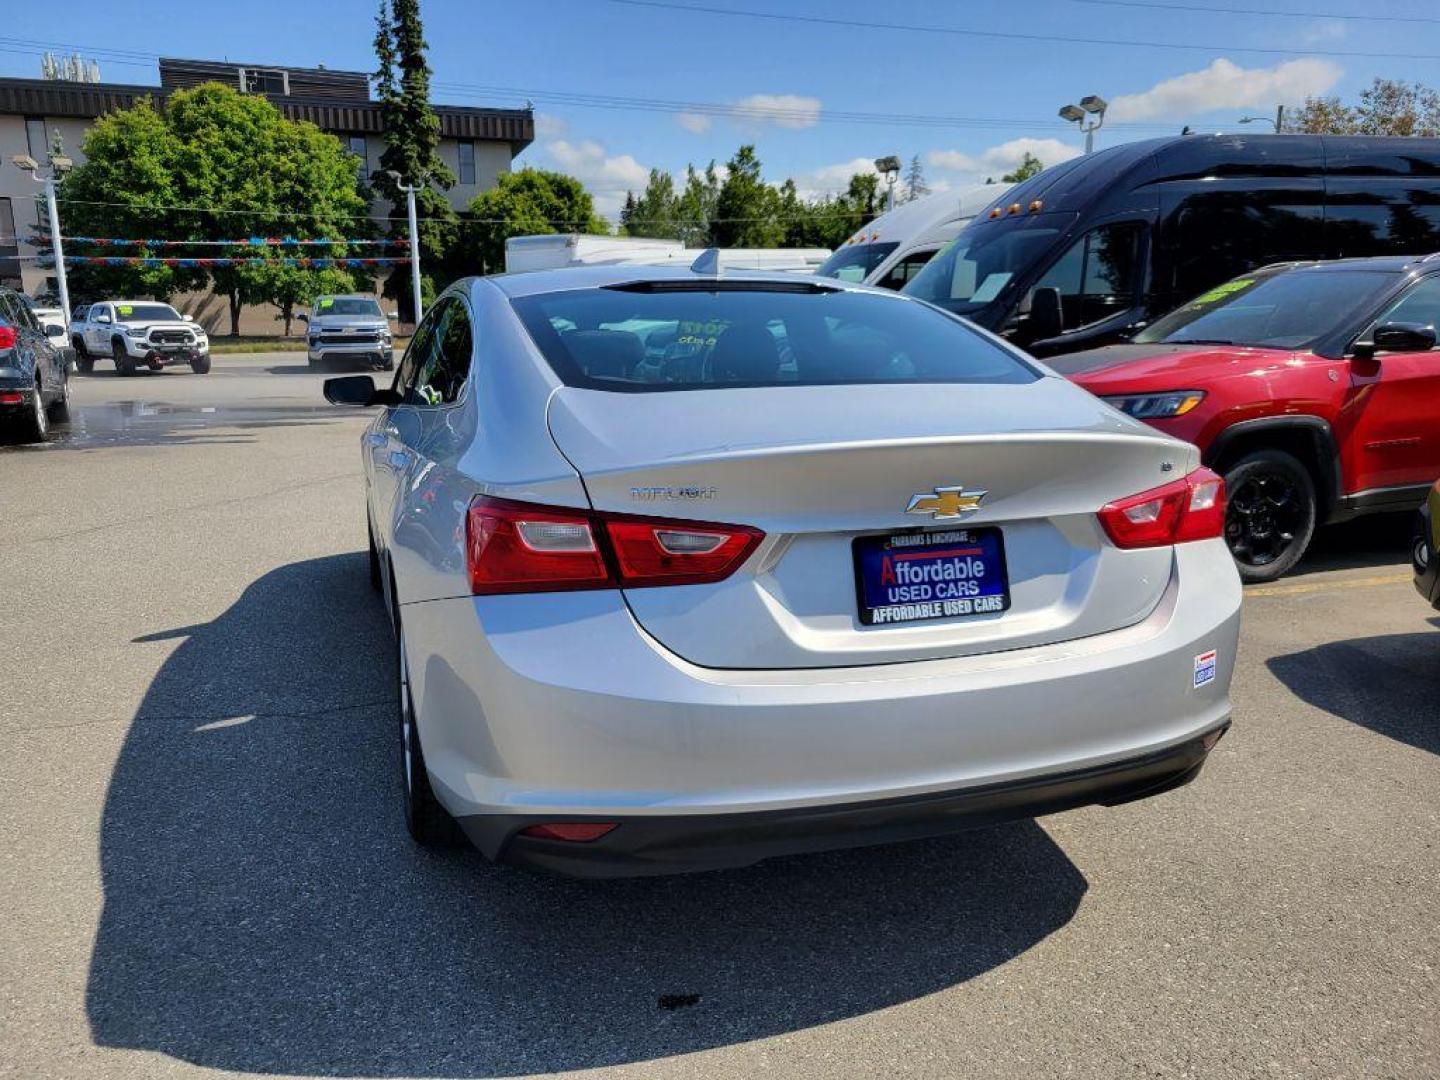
column 798, row 74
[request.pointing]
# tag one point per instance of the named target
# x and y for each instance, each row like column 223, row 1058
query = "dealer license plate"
column 944, row 574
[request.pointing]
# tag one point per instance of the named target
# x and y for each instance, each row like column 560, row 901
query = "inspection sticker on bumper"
column 1205, row 668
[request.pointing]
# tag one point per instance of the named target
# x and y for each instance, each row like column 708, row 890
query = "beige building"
column 477, row 144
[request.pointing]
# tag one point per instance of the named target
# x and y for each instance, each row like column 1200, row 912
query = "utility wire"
column 1368, row 17
column 1003, row 35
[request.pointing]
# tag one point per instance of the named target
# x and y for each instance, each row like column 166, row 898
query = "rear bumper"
column 689, row 842
column 559, row 707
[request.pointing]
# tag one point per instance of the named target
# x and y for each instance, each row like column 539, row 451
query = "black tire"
column 83, row 360
column 124, row 364
column 34, row 425
column 200, row 365
column 387, row 365
column 429, row 824
column 1270, row 514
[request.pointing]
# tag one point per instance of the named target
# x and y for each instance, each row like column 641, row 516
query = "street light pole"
column 410, row 190
column 57, row 247
column 58, row 164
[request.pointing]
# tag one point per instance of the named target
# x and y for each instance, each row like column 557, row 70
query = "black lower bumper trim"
column 677, row 843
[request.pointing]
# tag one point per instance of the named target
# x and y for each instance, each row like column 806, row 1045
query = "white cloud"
column 606, row 176
column 783, row 110
column 1001, row 159
column 830, row 179
column 1226, row 85
column 549, row 126
column 696, row 123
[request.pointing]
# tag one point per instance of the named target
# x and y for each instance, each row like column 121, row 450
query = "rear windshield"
column 1288, row 310
column 615, row 339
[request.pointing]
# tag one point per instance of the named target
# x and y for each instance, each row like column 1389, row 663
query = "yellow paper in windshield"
column 326, row 303
column 1222, row 291
column 125, row 309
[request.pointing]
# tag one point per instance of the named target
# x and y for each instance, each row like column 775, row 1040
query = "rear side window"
column 685, row 338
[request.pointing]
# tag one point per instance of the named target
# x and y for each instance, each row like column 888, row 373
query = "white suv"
column 139, row 333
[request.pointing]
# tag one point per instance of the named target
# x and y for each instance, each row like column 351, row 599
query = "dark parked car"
column 34, row 372
column 1087, row 252
column 1427, row 544
column 1314, row 389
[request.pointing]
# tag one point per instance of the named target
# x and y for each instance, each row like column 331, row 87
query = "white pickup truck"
column 136, row 334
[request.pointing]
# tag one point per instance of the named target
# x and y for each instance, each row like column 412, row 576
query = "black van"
column 1087, row 252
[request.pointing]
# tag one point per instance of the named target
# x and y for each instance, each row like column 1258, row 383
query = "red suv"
column 1313, row 388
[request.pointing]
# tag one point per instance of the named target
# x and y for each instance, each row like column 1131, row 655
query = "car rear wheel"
column 33, row 425
column 374, row 558
column 430, row 824
column 1270, row 513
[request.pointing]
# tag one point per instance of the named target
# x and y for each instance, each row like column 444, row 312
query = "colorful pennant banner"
column 136, row 260
column 254, row 241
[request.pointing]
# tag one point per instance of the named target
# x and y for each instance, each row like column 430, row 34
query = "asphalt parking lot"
column 205, row 866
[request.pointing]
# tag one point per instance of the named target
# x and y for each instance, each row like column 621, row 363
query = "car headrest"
column 745, row 353
column 606, row 354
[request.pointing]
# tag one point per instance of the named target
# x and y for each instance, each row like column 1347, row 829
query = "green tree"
column 915, row 185
column 656, row 213
column 412, row 138
column 1028, row 167
column 211, row 164
column 1386, row 107
column 747, row 211
column 526, row 203
column 696, row 207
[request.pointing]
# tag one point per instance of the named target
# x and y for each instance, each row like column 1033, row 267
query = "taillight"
column 1191, row 508
column 515, row 547
column 7, row 337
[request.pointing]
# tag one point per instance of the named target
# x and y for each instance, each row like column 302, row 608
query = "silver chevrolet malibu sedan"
column 690, row 569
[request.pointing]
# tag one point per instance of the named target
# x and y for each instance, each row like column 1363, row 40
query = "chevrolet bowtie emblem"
column 946, row 503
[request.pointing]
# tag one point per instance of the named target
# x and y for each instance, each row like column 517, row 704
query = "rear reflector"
column 576, row 832
column 515, row 547
column 7, row 337
column 1191, row 508
column 11, row 397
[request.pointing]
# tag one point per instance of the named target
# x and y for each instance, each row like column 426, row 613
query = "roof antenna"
column 708, row 263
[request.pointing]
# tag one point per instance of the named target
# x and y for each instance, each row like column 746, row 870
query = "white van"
column 894, row 247
column 578, row 249
column 583, row 249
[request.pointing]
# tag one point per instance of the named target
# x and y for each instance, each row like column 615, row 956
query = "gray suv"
column 349, row 328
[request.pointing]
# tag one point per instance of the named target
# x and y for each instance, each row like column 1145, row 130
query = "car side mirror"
column 358, row 390
column 303, row 316
column 1047, row 314
column 1403, row 337
column 393, row 316
column 102, row 318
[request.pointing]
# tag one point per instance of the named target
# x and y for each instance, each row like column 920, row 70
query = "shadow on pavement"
column 1388, row 684
column 1373, row 540
column 264, row 910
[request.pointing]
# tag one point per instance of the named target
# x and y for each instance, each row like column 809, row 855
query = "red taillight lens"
column 7, row 337
column 677, row 553
column 11, row 397
column 578, row 832
column 514, row 547
column 1191, row 508
column 517, row 547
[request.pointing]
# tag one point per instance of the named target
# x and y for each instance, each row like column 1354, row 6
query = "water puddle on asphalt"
column 148, row 423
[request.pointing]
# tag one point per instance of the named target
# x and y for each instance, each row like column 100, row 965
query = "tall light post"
column 889, row 168
column 1091, row 105
column 410, row 190
column 59, row 165
column 1278, row 122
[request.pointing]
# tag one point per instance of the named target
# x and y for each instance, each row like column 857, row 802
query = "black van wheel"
column 1270, row 513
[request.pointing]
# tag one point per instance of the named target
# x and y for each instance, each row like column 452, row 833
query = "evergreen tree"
column 656, row 213
column 696, row 208
column 915, row 185
column 747, row 211
column 412, row 136
column 1028, row 167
